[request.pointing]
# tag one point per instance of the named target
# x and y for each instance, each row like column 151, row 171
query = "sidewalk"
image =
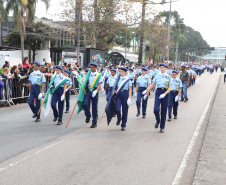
column 211, row 168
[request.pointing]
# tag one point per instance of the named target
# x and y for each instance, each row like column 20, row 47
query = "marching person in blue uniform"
column 37, row 85
column 143, row 82
column 67, row 94
column 163, row 82
column 174, row 95
column 107, row 75
column 59, row 95
column 131, row 77
column 123, row 98
column 110, row 82
column 93, row 86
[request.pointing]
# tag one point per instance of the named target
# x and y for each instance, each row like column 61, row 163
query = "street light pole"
column 168, row 39
column 126, row 36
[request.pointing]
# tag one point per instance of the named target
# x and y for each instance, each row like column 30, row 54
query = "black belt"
column 161, row 88
column 174, row 91
column 124, row 90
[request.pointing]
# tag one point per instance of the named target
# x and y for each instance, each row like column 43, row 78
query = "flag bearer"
column 36, row 89
column 174, row 95
column 164, row 85
column 123, row 97
column 60, row 86
column 67, row 94
column 94, row 85
column 143, row 82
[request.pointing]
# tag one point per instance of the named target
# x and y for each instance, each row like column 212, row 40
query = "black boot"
column 87, row 119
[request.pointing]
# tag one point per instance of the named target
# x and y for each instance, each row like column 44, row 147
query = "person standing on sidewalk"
column 174, row 95
column 184, row 77
column 224, row 74
column 163, row 81
column 36, row 89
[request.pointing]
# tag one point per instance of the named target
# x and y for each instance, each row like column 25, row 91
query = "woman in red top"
column 26, row 62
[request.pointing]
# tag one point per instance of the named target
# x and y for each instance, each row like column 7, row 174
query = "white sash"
column 119, row 88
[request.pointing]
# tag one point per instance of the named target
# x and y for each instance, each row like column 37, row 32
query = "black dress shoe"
column 93, row 126
column 144, row 117
column 118, row 123
column 37, row 120
column 54, row 119
column 87, row 119
column 156, row 125
column 182, row 100
column 175, row 117
column 34, row 115
column 137, row 115
column 59, row 123
column 123, row 129
column 169, row 119
column 162, row 130
column 67, row 111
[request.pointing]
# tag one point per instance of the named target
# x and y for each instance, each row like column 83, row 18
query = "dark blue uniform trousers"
column 164, row 105
column 35, row 91
column 86, row 106
column 144, row 102
column 172, row 103
column 109, row 93
column 67, row 98
column 121, row 100
column 57, row 98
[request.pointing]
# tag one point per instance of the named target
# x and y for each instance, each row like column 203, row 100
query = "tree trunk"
column 177, row 46
column 142, row 33
column 22, row 45
column 29, row 54
column 78, row 22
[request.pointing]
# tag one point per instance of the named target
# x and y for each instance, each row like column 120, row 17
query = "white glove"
column 135, row 94
column 128, row 101
column 104, row 92
column 162, row 96
column 29, row 94
column 94, row 93
column 132, row 81
column 144, row 92
column 176, row 98
column 52, row 86
column 145, row 97
column 66, row 90
column 62, row 97
column 40, row 96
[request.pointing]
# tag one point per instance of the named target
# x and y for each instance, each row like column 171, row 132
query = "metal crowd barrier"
column 16, row 91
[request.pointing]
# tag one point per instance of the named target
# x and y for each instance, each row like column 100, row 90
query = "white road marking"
column 192, row 143
column 30, row 156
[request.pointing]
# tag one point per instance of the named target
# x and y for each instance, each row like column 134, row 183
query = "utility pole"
column 78, row 23
column 168, row 39
column 126, row 36
column 144, row 2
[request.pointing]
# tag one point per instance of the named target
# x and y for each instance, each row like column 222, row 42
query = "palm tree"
column 23, row 12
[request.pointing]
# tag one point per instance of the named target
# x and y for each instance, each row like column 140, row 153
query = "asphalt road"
column 43, row 153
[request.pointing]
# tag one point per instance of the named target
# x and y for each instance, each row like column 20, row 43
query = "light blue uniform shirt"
column 121, row 80
column 108, row 74
column 157, row 71
column 111, row 80
column 176, row 84
column 162, row 80
column 69, row 82
column 58, row 79
column 193, row 72
column 153, row 73
column 37, row 78
column 131, row 75
column 143, row 81
column 92, row 77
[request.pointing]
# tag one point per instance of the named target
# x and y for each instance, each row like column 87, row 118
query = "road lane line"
column 30, row 156
column 193, row 140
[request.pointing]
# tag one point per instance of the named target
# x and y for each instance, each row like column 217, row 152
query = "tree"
column 36, row 33
column 23, row 12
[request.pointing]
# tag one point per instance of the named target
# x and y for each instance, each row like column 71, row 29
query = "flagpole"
column 102, row 117
column 40, row 108
column 71, row 114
